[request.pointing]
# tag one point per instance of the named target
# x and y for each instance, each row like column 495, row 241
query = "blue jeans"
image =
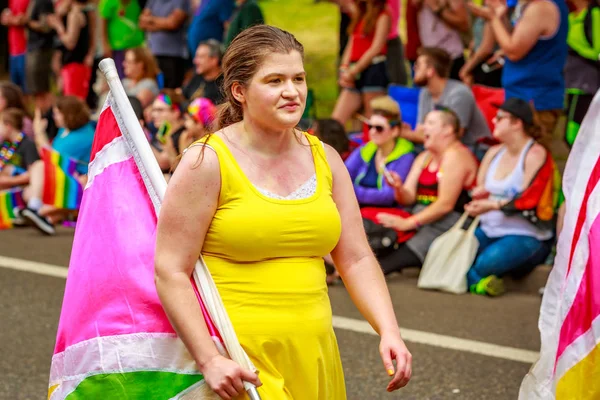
column 507, row 254
column 17, row 70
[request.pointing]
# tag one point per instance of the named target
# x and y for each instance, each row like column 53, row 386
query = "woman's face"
column 132, row 68
column 194, row 128
column 59, row 117
column 503, row 125
column 276, row 96
column 435, row 128
column 3, row 131
column 162, row 112
column 380, row 131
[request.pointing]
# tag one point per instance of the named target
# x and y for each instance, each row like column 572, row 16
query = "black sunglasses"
column 381, row 128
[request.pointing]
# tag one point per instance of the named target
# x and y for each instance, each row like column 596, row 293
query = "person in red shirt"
column 363, row 71
column 15, row 18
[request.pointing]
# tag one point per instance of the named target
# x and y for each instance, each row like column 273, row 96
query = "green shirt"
column 122, row 23
column 247, row 15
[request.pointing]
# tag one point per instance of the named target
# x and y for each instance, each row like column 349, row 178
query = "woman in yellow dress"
column 264, row 203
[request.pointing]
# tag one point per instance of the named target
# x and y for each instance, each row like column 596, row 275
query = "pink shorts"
column 76, row 80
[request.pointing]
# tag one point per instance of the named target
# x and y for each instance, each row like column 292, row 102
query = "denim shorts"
column 17, row 70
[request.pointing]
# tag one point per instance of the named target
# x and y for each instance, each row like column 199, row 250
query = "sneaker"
column 18, row 219
column 491, row 286
column 38, row 221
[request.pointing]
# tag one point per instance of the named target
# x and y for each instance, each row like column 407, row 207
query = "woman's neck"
column 386, row 149
column 515, row 145
column 175, row 125
column 264, row 140
column 13, row 136
column 438, row 153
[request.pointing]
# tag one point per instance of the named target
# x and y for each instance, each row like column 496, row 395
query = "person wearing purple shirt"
column 385, row 152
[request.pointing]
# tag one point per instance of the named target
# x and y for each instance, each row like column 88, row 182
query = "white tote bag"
column 449, row 259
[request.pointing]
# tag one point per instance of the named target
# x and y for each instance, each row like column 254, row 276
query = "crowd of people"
column 416, row 180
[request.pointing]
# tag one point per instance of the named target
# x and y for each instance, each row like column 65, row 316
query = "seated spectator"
column 17, row 152
column 441, row 24
column 12, row 97
column 75, row 35
column 167, row 116
column 508, row 242
column 74, row 140
column 140, row 75
column 363, row 70
column 431, row 72
column 199, row 119
column 385, row 152
column 207, row 80
column 164, row 21
column 331, row 132
column 120, row 29
column 436, row 188
column 246, row 14
column 538, row 42
column 209, row 22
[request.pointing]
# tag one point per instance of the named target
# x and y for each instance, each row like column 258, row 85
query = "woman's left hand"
column 39, row 124
column 396, row 222
column 478, row 207
column 392, row 347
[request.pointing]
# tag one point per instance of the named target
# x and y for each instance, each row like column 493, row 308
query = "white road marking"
column 443, row 341
column 349, row 324
column 34, row 267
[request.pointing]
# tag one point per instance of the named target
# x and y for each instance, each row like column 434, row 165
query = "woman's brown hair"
column 243, row 58
column 143, row 55
column 75, row 112
column 13, row 117
column 13, row 96
column 368, row 11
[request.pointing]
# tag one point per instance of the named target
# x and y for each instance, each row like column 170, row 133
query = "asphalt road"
column 30, row 306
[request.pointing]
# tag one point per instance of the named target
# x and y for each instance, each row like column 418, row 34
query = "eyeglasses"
column 381, row 128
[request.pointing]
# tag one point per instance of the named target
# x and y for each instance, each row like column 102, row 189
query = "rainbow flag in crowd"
column 114, row 340
column 61, row 187
column 9, row 199
column 569, row 364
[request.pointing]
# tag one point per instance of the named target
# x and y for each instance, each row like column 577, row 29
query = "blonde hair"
column 386, row 106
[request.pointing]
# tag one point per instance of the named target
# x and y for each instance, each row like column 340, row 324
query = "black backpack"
column 381, row 239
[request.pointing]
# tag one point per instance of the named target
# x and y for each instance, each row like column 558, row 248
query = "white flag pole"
column 136, row 134
column 206, row 286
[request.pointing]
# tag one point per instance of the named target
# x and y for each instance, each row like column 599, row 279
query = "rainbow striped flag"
column 9, row 199
column 61, row 187
column 569, row 364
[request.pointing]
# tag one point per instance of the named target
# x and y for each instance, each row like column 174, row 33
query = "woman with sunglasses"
column 386, row 152
column 508, row 242
column 436, row 188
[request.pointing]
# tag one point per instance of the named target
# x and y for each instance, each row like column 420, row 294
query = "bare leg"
column 35, row 189
column 347, row 104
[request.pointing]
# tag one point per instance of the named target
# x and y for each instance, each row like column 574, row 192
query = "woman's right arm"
column 186, row 213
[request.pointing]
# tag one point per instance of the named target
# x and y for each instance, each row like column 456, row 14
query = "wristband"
column 417, row 223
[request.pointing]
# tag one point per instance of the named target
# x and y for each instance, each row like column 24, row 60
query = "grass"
column 316, row 26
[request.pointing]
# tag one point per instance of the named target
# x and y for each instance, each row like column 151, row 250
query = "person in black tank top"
column 75, row 34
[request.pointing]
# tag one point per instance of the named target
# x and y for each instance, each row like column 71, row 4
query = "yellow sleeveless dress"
column 265, row 256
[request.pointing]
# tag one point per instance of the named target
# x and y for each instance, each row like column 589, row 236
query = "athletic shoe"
column 18, row 220
column 42, row 223
column 491, row 286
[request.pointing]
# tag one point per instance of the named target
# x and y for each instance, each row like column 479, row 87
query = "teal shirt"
column 76, row 144
column 247, row 15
